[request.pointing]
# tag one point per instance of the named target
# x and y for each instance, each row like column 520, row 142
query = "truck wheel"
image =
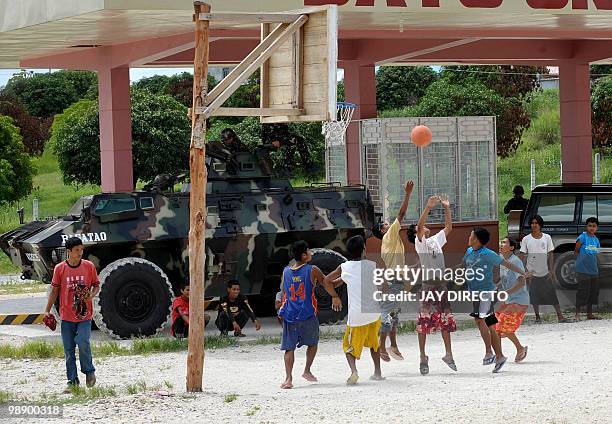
column 328, row 260
column 565, row 270
column 135, row 299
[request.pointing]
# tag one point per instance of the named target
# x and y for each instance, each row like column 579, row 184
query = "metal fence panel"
column 460, row 162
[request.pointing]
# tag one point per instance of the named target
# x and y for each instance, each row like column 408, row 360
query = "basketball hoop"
column 334, row 130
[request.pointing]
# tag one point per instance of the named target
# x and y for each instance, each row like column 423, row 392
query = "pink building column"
column 115, row 129
column 359, row 88
column 576, row 138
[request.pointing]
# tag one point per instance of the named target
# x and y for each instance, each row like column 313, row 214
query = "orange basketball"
column 421, row 136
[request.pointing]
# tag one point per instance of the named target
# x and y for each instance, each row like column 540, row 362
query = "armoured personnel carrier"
column 138, row 240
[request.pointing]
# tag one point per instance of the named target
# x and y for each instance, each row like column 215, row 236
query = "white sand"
column 567, row 378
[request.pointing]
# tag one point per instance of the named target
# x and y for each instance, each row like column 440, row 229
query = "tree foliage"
column 16, row 170
column 507, row 80
column 160, row 138
column 45, row 95
column 472, row 98
column 401, row 86
column 34, row 130
column 601, row 104
column 179, row 86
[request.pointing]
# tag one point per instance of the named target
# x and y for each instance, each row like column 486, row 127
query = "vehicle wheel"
column 328, row 260
column 135, row 299
column 565, row 270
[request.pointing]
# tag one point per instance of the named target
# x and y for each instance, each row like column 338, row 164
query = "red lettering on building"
column 547, row 4
column 602, row 4
column 481, row 4
column 490, row 4
column 390, row 3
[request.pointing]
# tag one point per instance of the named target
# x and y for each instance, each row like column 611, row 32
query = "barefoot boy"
column 392, row 253
column 76, row 282
column 363, row 323
column 481, row 261
column 298, row 311
column 587, row 247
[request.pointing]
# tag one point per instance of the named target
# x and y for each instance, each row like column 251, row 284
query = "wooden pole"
column 197, row 205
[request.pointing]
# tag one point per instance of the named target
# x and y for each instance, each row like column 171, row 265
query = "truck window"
column 604, row 209
column 589, row 207
column 557, row 208
column 108, row 206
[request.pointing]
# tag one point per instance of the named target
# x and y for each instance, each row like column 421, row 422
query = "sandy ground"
column 567, row 378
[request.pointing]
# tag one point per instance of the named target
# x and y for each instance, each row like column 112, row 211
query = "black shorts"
column 484, row 309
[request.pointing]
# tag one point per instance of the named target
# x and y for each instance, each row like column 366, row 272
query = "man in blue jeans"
column 76, row 282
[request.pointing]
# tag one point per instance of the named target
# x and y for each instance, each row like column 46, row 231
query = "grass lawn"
column 54, row 199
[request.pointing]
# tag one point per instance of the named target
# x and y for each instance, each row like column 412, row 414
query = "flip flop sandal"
column 521, row 356
column 450, row 362
column 488, row 360
column 424, row 367
column 499, row 365
column 396, row 354
column 594, row 317
column 385, row 356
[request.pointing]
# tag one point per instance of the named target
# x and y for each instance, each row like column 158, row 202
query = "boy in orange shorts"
column 511, row 313
column 363, row 322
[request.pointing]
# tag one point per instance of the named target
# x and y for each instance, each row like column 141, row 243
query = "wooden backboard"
column 301, row 74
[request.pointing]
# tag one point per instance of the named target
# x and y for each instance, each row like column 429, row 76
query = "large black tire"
column 135, row 299
column 565, row 265
column 328, row 260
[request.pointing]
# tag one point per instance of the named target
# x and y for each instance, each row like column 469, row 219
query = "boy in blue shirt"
column 298, row 310
column 587, row 247
column 481, row 261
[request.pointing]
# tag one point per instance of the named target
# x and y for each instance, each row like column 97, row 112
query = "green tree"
column 601, row 105
column 160, row 138
column 507, row 80
column 401, row 86
column 45, row 95
column 474, row 99
column 34, row 130
column 179, row 86
column 16, row 170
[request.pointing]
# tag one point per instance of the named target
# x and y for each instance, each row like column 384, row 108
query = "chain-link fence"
column 460, row 162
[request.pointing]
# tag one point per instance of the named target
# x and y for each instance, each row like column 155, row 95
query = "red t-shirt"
column 179, row 306
column 75, row 284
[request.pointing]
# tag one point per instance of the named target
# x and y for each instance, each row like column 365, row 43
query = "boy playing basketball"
column 363, row 323
column 481, row 260
column 299, row 311
column 393, row 255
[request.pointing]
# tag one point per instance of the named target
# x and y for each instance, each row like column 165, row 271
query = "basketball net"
column 334, row 130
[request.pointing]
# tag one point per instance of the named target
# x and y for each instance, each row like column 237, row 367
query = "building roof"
column 33, row 28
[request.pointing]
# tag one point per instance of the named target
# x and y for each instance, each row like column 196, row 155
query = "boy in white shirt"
column 537, row 254
column 435, row 314
column 363, row 323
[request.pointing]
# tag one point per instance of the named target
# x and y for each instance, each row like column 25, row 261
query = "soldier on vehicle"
column 277, row 136
column 225, row 149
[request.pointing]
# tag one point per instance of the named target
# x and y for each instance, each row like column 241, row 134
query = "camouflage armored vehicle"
column 138, row 240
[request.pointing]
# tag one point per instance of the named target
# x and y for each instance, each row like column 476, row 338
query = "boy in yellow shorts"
column 364, row 321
